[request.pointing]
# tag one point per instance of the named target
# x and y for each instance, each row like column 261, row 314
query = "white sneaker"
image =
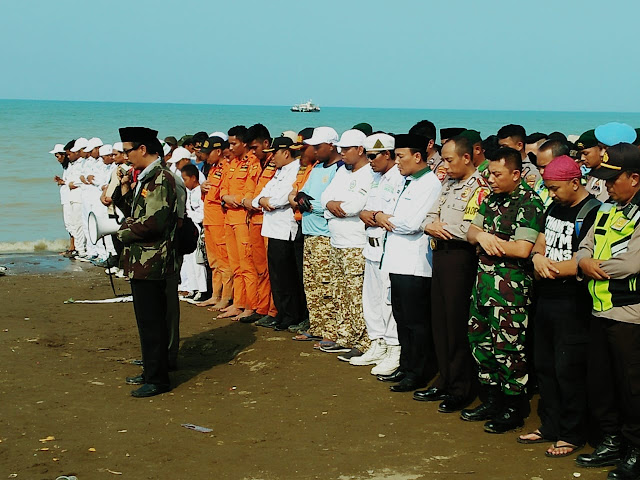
column 376, row 353
column 120, row 273
column 390, row 363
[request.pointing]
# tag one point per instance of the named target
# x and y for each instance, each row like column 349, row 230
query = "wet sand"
column 278, row 409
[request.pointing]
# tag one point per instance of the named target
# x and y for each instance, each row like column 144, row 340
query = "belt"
column 442, row 245
column 374, row 242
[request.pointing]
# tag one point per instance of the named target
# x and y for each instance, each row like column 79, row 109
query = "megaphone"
column 102, row 223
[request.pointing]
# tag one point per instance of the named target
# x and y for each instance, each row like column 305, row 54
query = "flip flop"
column 323, row 343
column 537, row 433
column 305, row 337
column 574, row 449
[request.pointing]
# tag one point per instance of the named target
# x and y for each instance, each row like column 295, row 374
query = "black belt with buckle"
column 441, row 245
column 374, row 242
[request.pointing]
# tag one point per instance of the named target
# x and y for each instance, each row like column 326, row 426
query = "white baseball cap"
column 178, row 154
column 93, row 143
column 79, row 144
column 222, row 135
column 379, row 142
column 323, row 135
column 351, row 138
column 59, row 148
column 105, row 150
column 290, row 134
column 118, row 146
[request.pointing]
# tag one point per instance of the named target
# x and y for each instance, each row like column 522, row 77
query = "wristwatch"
column 533, row 254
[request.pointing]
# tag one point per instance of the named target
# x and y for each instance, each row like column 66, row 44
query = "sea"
column 30, row 210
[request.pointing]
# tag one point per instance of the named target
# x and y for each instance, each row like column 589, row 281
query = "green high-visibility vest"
column 612, row 233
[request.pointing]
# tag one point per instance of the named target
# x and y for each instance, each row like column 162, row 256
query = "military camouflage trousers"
column 316, row 275
column 347, row 278
column 497, row 336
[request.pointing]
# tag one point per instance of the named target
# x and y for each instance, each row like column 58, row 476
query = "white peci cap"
column 323, row 135
column 351, row 138
column 59, row 148
column 379, row 142
column 79, row 144
column 118, row 146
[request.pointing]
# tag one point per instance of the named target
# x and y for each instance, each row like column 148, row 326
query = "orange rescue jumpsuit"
column 214, row 235
column 245, row 277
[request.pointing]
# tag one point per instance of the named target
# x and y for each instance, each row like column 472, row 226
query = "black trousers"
column 624, row 346
column 602, row 397
column 562, row 336
column 284, row 258
column 173, row 317
column 454, row 273
column 150, row 306
column 410, row 303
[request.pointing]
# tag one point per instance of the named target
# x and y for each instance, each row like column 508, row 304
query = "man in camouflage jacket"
column 149, row 255
column 505, row 228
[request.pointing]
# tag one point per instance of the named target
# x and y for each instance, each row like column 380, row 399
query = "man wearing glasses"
column 149, row 255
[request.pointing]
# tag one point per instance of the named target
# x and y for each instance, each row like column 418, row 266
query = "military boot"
column 490, row 407
column 608, row 452
column 628, row 468
column 511, row 416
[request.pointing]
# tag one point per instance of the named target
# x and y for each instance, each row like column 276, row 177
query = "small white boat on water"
column 306, row 107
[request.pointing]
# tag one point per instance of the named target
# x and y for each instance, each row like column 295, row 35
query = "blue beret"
column 614, row 133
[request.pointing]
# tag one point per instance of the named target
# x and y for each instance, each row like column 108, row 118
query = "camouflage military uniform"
column 347, row 277
column 316, row 275
column 149, row 259
column 148, row 234
column 499, row 304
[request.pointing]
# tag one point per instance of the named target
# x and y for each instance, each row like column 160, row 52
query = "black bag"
column 186, row 237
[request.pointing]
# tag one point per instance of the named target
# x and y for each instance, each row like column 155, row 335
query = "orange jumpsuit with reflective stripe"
column 301, row 179
column 214, row 235
column 245, row 277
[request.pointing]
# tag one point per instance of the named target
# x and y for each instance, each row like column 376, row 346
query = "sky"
column 564, row 55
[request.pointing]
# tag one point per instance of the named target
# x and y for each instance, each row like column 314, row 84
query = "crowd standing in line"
column 464, row 269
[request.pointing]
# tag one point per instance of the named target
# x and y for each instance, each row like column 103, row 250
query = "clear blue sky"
column 450, row 54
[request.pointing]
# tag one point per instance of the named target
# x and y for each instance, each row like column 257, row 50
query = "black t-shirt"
column 562, row 242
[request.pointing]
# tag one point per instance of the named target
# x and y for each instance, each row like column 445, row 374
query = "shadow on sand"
column 205, row 350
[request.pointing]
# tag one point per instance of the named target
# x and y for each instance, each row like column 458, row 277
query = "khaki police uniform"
column 454, row 271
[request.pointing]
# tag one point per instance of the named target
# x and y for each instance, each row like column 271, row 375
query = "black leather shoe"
column 509, row 419
column 279, row 327
column 138, row 380
column 608, row 452
column 454, row 403
column 628, row 468
column 396, row 376
column 407, row 385
column 432, row 394
column 149, row 390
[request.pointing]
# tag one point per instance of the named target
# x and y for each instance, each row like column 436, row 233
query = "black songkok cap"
column 408, row 140
column 138, row 134
column 450, row 132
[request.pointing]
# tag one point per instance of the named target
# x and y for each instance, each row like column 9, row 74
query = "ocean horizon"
column 29, row 198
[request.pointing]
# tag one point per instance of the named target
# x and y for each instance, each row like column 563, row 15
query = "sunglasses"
column 127, row 151
column 373, row 156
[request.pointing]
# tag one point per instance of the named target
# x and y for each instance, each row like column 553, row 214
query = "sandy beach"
column 277, row 409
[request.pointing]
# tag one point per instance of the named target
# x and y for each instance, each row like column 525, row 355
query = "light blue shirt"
column 314, row 223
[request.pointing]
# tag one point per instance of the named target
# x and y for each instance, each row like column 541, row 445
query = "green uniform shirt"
column 504, row 281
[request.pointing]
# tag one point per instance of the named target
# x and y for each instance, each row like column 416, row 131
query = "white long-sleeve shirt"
column 74, row 170
column 382, row 198
column 280, row 223
column 195, row 206
column 406, row 248
column 352, row 189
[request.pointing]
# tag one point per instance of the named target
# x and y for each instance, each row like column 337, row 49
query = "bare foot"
column 245, row 314
column 208, row 303
column 231, row 312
